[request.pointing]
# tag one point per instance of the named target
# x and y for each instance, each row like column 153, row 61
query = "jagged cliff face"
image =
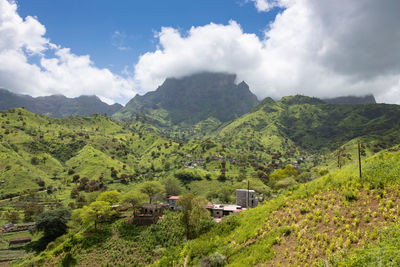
column 57, row 106
column 193, row 99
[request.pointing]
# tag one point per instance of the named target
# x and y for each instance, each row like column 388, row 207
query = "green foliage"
column 134, row 198
column 96, row 212
column 53, row 224
column 152, row 189
column 285, row 183
column 192, row 102
column 12, row 216
column 255, row 233
column 187, row 176
column 166, row 233
column 172, row 186
column 214, row 260
column 384, row 253
column 68, row 260
column 121, row 156
column 289, row 170
column 350, row 195
column 32, row 209
column 195, row 217
column 112, row 197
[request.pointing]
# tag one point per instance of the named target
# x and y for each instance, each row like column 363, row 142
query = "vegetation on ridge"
column 298, row 153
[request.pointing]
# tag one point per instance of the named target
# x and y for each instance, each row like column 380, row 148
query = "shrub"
column 287, row 231
column 68, row 260
column 304, row 210
column 35, row 161
column 285, row 183
column 214, row 260
column 350, row 195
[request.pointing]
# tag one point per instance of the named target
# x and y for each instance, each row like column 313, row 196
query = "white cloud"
column 265, row 5
column 320, row 48
column 62, row 73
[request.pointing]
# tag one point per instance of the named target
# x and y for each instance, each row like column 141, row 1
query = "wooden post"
column 248, row 193
column 359, row 159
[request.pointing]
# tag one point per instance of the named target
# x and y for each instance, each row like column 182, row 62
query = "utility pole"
column 248, row 193
column 359, row 158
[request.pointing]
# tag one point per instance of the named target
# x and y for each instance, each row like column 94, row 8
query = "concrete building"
column 172, row 202
column 220, row 210
column 148, row 214
column 246, row 198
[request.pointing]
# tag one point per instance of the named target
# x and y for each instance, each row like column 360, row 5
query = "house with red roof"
column 172, row 202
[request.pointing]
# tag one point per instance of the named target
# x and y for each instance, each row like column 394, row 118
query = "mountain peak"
column 57, row 105
column 194, row 98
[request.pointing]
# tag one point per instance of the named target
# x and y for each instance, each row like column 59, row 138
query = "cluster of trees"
column 52, row 224
column 98, row 211
column 195, row 217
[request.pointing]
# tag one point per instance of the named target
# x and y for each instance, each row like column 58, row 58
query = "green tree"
column 97, row 212
column 151, row 189
column 135, row 198
column 12, row 216
column 32, row 209
column 113, row 197
column 289, row 170
column 194, row 214
column 172, row 186
column 53, row 224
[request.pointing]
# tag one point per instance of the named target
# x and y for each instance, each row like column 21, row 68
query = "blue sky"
column 117, row 49
column 99, row 27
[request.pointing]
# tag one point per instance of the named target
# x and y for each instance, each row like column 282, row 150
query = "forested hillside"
column 289, row 151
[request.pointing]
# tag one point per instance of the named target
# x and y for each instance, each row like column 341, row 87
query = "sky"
column 117, row 49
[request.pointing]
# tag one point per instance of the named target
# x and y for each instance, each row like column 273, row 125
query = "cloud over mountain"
column 312, row 47
column 318, row 48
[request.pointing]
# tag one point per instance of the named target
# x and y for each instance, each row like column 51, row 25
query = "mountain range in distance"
column 199, row 98
column 57, row 106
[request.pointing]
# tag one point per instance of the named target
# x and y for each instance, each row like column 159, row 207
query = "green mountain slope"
column 311, row 124
column 73, row 159
column 322, row 222
column 328, row 218
column 35, row 147
column 190, row 100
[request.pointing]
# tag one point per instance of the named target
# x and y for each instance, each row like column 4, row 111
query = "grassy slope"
column 285, row 126
column 92, row 146
column 309, row 223
column 325, row 221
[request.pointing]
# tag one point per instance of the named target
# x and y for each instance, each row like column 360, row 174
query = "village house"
column 153, row 209
column 220, row 210
column 246, row 198
column 172, row 203
column 149, row 214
